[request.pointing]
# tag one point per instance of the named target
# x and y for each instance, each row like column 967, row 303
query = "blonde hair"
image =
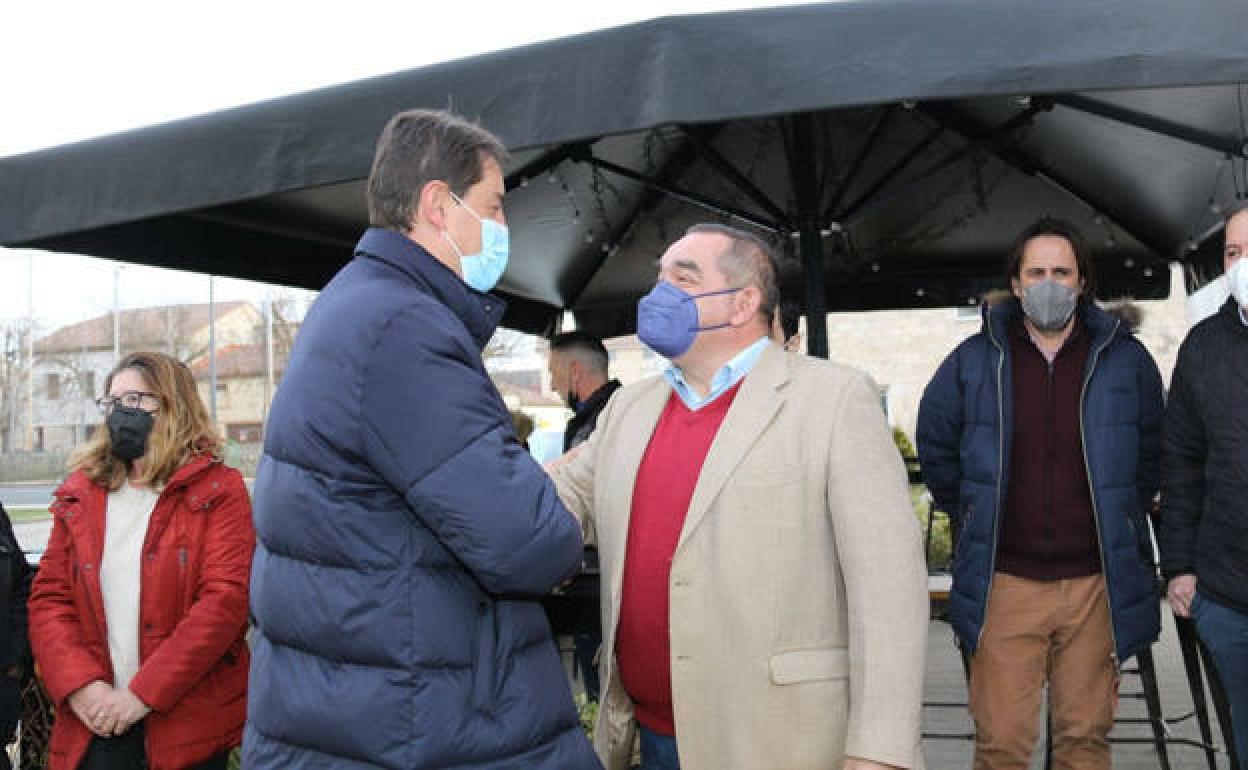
column 182, row 429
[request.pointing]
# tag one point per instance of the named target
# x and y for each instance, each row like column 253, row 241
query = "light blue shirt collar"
column 728, row 375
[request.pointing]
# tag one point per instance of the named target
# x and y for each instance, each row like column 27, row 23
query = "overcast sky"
column 74, row 70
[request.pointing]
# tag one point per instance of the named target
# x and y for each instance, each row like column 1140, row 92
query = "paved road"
column 26, row 494
column 32, row 535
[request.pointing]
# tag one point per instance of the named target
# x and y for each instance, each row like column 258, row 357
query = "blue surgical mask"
column 483, row 269
column 667, row 319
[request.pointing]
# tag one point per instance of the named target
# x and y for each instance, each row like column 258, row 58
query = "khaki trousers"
column 1044, row 631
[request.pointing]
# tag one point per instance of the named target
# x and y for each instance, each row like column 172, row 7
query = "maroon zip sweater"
column 1048, row 530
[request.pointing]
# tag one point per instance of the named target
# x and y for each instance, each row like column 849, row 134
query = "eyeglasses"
column 131, row 399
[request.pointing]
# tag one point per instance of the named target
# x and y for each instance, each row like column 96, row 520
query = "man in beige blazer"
column 794, row 577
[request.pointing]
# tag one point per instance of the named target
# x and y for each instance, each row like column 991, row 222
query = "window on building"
column 223, row 395
column 52, row 385
column 245, row 432
column 88, row 382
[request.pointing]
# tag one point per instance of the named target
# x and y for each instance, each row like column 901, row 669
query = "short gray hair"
column 749, row 260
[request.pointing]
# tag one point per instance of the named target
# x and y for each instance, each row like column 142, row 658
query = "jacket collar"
column 753, row 409
column 480, row 313
column 1100, row 325
column 598, row 399
column 1229, row 313
column 83, row 488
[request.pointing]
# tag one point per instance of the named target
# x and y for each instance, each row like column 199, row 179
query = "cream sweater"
column 125, row 528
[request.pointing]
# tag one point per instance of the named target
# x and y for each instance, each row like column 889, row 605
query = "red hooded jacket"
column 192, row 614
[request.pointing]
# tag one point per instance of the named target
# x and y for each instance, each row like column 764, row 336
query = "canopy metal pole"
column 877, row 130
column 268, row 361
column 212, row 350
column 682, row 195
column 804, row 168
column 30, row 353
column 116, row 314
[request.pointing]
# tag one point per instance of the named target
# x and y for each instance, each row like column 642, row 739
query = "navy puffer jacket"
column 403, row 535
column 964, row 434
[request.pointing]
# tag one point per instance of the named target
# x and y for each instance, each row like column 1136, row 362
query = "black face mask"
column 128, row 430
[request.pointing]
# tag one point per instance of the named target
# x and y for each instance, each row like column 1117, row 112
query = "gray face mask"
column 1049, row 305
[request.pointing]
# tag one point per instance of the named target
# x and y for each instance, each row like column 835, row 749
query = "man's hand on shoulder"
column 854, row 763
column 563, row 459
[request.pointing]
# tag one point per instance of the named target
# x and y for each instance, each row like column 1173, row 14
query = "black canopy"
column 894, row 147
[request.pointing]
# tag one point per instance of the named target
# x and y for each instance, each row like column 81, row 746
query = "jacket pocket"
column 796, row 666
column 484, row 668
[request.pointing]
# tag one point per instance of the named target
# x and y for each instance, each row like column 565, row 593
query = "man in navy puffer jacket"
column 403, row 532
column 1041, row 436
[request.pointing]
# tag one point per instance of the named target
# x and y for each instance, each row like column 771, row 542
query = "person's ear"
column 432, row 203
column 746, row 305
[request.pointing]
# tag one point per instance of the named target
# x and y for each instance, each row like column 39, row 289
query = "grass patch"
column 27, row 512
column 940, row 548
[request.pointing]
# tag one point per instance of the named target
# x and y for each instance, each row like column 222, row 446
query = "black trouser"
column 126, row 752
column 10, row 701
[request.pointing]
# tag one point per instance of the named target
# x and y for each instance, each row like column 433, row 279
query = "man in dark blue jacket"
column 403, row 532
column 1040, row 436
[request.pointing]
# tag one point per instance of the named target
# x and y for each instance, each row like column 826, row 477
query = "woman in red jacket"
column 139, row 609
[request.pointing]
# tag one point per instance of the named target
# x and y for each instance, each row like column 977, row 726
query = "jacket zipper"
column 996, row 523
column 1051, row 398
column 183, row 597
column 1087, row 467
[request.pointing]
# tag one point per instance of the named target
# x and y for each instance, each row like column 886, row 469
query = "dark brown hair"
column 1060, row 229
column 420, row 146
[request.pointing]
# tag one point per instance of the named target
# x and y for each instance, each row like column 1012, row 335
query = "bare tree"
column 285, row 309
column 503, row 346
column 14, row 374
column 176, row 337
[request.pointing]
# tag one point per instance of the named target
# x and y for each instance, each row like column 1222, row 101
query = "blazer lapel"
column 636, row 426
column 751, row 412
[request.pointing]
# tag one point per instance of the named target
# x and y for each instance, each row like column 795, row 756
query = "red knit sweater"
column 665, row 482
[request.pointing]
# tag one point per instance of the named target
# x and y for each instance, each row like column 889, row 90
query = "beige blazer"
column 798, row 589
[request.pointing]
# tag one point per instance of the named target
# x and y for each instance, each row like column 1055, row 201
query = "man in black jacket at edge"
column 15, row 577
column 1204, row 514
